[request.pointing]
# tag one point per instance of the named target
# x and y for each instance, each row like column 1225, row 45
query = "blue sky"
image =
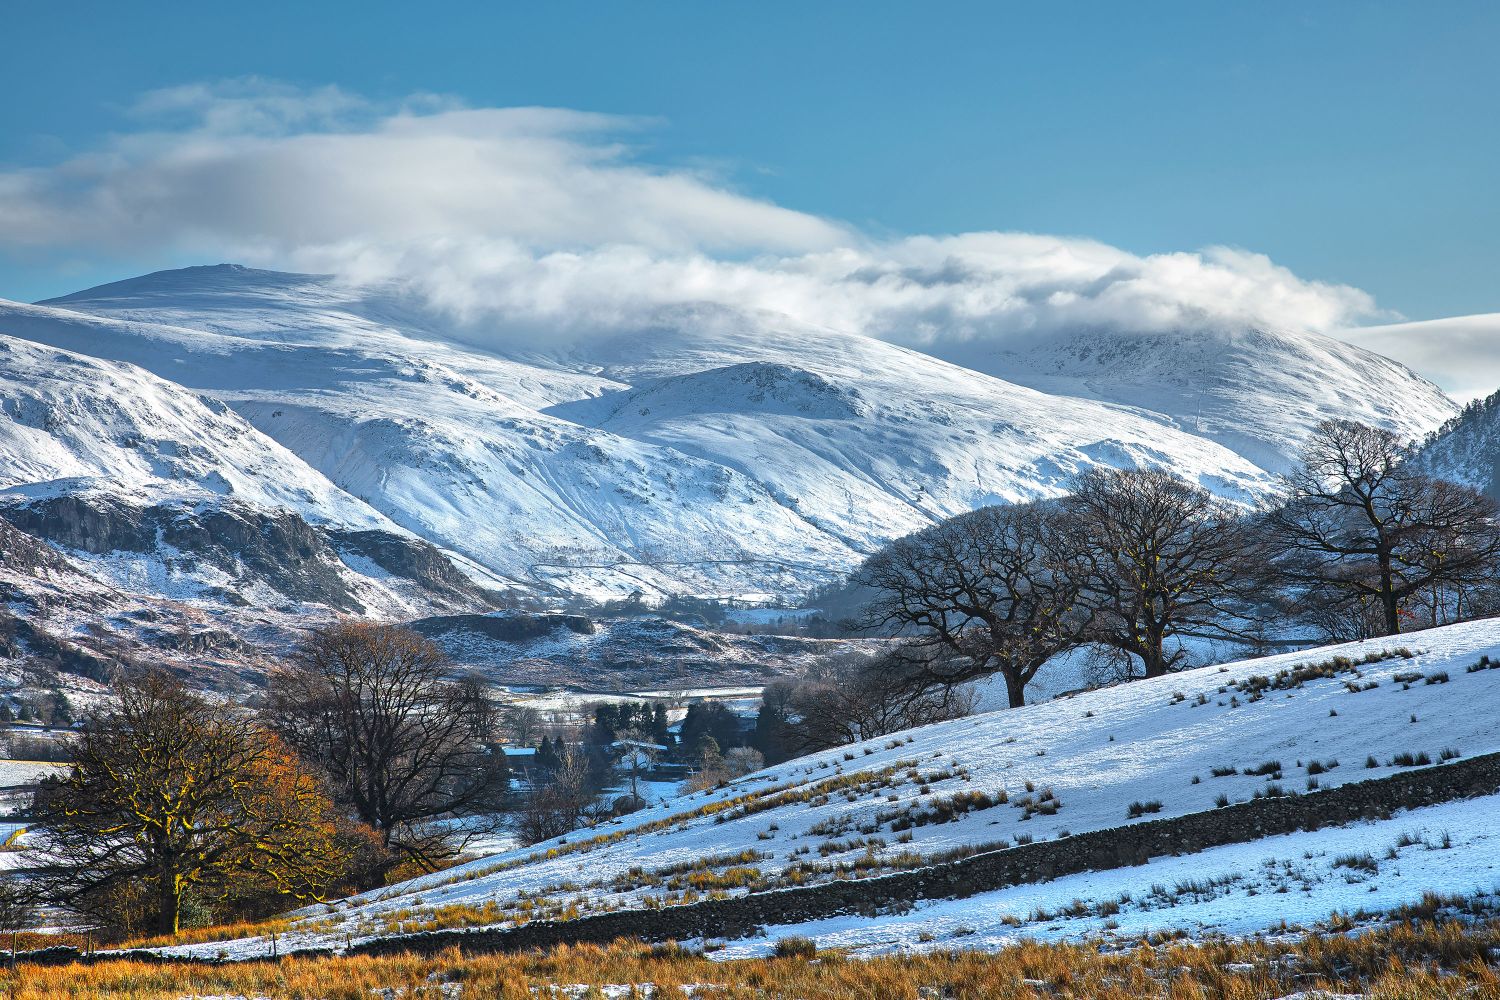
column 1354, row 144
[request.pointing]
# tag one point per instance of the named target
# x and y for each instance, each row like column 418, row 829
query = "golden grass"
column 1412, row 960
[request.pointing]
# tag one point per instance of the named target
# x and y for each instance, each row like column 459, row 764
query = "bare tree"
column 1363, row 535
column 845, row 699
column 402, row 744
column 1161, row 559
column 170, row 795
column 560, row 803
column 638, row 753
column 521, row 725
column 992, row 590
column 17, row 911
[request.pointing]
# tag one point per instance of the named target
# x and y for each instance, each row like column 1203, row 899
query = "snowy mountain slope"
column 1256, row 392
column 1466, row 449
column 177, row 494
column 1075, row 764
column 1458, row 352
column 717, row 452
column 72, row 420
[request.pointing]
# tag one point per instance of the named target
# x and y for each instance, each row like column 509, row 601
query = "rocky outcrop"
column 510, row 627
column 248, row 545
column 411, row 559
column 28, row 555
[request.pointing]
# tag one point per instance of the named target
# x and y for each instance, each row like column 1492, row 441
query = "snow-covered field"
column 1241, row 889
column 1174, row 745
column 25, row 772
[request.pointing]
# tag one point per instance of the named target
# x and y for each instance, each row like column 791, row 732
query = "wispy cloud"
column 552, row 221
column 1460, row 354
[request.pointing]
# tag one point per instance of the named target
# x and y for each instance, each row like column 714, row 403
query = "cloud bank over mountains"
column 544, row 224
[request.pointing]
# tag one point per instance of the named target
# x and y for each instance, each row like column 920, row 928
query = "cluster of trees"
column 849, row 697
column 177, row 803
column 48, row 709
column 1136, row 562
column 400, row 744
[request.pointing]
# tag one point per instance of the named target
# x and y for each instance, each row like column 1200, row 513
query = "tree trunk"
column 1155, row 660
column 1388, row 596
column 169, row 904
column 1015, row 690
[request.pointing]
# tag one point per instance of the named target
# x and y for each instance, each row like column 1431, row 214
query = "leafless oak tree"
column 402, row 744
column 991, row 591
column 1159, row 559
column 1363, row 536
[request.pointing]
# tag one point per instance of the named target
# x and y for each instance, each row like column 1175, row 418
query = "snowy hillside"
column 716, row 453
column 1466, row 449
column 73, row 422
column 174, row 494
column 1252, row 391
column 1181, row 744
column 1457, row 352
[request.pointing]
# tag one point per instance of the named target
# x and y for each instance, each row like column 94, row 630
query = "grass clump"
column 796, row 947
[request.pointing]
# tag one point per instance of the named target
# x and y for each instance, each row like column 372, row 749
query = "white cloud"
column 541, row 220
column 258, row 166
column 1461, row 354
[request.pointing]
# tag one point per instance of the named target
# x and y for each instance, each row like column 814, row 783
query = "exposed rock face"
column 249, row 546
column 86, row 523
column 411, row 559
column 24, row 554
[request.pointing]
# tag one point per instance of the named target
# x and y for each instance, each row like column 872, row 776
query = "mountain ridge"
column 714, row 453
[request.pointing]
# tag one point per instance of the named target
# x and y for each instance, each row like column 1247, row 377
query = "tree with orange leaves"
column 172, row 796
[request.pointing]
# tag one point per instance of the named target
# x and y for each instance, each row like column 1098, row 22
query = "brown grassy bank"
column 1402, row 961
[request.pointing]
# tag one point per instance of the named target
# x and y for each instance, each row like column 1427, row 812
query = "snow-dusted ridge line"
column 718, row 452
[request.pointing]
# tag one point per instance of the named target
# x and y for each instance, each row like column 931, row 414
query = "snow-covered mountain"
column 1254, row 391
column 1460, row 353
column 176, row 494
column 716, row 452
